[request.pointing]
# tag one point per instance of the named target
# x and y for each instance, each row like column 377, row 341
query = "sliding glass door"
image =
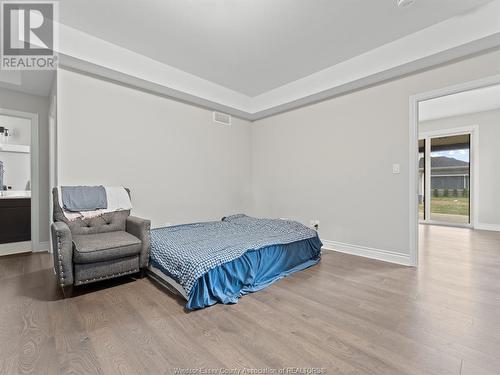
column 421, row 179
column 446, row 170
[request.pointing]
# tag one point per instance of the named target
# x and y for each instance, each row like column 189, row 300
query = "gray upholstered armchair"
column 90, row 250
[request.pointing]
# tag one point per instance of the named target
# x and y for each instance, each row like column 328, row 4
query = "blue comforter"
column 220, row 261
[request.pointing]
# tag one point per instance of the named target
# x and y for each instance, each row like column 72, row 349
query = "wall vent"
column 222, row 118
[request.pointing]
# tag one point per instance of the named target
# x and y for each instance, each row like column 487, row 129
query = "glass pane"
column 450, row 179
column 421, row 179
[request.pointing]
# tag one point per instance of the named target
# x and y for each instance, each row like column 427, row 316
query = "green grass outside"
column 448, row 205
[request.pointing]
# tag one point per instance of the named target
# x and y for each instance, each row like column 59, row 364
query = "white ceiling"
column 473, row 101
column 253, row 46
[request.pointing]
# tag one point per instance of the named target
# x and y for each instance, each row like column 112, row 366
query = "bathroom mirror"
column 15, row 158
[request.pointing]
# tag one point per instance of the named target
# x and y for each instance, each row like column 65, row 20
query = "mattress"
column 218, row 262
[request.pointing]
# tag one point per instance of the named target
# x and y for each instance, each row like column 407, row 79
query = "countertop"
column 15, row 194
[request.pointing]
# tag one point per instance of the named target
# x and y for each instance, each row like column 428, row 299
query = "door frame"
column 414, row 100
column 35, row 184
column 473, row 131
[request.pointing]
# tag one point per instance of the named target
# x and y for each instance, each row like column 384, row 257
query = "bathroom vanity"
column 15, row 216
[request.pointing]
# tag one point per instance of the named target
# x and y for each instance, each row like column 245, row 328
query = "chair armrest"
column 63, row 253
column 141, row 229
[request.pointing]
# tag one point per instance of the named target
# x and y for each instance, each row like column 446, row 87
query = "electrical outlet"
column 315, row 224
column 396, row 169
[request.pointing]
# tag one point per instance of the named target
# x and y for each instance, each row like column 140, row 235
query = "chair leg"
column 67, row 291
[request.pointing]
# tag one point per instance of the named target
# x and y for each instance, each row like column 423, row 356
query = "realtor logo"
column 28, row 35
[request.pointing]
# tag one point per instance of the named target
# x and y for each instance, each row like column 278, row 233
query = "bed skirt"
column 253, row 271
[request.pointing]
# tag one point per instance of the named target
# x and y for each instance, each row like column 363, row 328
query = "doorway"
column 454, row 154
column 19, row 176
column 445, row 174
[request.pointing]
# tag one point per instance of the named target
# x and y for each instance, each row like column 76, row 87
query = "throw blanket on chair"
column 87, row 202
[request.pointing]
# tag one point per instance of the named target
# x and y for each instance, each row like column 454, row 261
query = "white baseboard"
column 15, row 248
column 23, row 247
column 493, row 227
column 368, row 252
column 42, row 246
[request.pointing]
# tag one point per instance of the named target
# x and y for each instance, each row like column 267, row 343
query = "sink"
column 15, row 194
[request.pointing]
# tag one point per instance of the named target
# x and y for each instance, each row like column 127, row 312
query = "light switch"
column 396, row 169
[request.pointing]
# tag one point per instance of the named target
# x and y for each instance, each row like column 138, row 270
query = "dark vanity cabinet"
column 15, row 220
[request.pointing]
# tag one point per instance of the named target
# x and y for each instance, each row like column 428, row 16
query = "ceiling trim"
column 81, row 46
column 84, row 67
column 97, row 71
column 454, row 32
column 473, row 48
column 453, row 39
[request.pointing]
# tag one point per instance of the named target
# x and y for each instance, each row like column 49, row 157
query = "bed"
column 220, row 261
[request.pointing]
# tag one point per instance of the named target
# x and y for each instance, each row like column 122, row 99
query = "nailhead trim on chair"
column 59, row 257
column 107, row 277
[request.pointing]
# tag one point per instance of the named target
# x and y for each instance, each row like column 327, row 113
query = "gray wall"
column 35, row 104
column 180, row 166
column 489, row 159
column 332, row 161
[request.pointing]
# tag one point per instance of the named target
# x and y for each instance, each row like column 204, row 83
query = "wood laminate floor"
column 349, row 315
